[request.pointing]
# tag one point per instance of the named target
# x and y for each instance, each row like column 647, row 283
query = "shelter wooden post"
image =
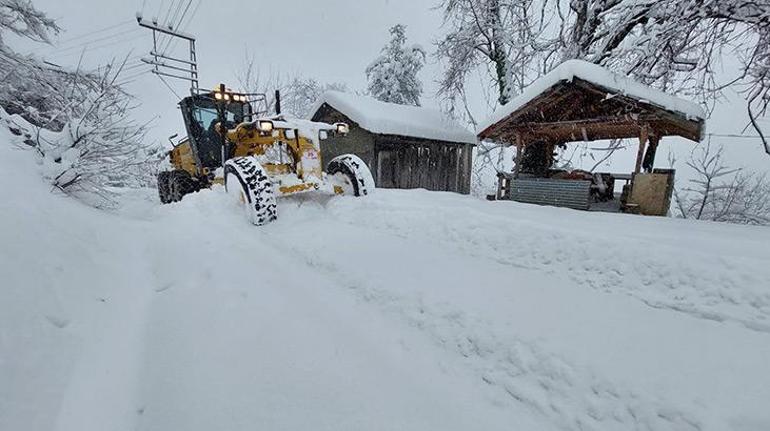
column 643, row 137
column 649, row 156
column 519, row 151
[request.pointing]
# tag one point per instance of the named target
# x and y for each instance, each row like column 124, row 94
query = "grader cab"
column 256, row 157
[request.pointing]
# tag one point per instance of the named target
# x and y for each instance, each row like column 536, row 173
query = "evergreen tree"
column 393, row 75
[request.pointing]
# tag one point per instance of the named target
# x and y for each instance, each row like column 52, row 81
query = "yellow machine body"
column 287, row 150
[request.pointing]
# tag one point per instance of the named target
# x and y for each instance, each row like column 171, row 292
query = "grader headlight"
column 342, row 128
column 265, row 126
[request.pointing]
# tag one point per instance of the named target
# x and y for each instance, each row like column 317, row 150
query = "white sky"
column 330, row 40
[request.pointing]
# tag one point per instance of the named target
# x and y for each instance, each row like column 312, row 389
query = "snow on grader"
column 257, row 158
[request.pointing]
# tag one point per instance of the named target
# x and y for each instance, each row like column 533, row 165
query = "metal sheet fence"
column 545, row 191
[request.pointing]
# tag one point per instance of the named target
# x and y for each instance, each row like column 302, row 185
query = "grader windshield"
column 200, row 117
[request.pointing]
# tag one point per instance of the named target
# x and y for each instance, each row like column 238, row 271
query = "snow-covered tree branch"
column 674, row 45
column 78, row 121
column 99, row 146
column 23, row 19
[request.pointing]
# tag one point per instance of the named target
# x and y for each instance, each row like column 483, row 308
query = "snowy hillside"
column 408, row 310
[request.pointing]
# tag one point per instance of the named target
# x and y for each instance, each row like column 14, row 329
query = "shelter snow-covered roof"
column 393, row 119
column 599, row 76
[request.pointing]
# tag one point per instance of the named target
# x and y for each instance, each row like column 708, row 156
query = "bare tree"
column 500, row 37
column 674, row 45
column 298, row 93
column 720, row 193
column 677, row 45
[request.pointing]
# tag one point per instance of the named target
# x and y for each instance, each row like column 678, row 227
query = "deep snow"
column 404, row 310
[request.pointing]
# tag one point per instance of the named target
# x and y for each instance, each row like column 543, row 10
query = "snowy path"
column 586, row 359
column 712, row 271
column 407, row 310
column 259, row 338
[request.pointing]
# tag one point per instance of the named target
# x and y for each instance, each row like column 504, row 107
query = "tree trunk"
column 498, row 55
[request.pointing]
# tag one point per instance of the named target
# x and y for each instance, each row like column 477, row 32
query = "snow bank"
column 392, row 119
column 407, row 310
column 600, row 76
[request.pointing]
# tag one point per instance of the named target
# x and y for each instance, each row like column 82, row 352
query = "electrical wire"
column 59, row 49
column 163, row 38
column 90, row 33
column 133, row 77
column 96, row 48
column 169, row 87
column 178, row 24
column 176, row 13
column 183, row 29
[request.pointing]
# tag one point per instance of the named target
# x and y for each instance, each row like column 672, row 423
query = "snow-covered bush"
column 393, row 75
column 100, row 146
column 78, row 122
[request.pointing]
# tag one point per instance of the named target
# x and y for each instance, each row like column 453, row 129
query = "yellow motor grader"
column 256, row 157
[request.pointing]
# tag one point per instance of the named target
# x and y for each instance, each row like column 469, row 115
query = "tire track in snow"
column 702, row 283
column 515, row 369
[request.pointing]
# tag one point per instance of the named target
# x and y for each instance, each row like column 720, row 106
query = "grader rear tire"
column 247, row 182
column 164, row 184
column 181, row 183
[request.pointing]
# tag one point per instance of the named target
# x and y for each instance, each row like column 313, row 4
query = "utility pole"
column 166, row 64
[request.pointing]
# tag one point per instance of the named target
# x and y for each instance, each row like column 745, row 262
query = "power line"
column 176, row 13
column 165, row 21
column 59, row 49
column 169, row 87
column 90, row 33
column 133, row 77
column 96, row 48
column 168, row 12
column 178, row 24
column 184, row 29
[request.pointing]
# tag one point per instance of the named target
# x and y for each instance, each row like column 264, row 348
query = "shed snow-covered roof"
column 393, row 119
column 599, row 76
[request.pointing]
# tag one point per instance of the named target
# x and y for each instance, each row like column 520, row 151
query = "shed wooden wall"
column 409, row 163
column 401, row 162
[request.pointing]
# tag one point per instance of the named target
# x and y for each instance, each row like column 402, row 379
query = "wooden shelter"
column 580, row 101
column 405, row 146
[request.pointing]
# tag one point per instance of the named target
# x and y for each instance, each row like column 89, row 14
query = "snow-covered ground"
column 406, row 310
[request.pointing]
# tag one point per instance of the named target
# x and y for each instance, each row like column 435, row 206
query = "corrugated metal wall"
column 545, row 191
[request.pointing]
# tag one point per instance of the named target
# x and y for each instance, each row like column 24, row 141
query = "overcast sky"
column 330, row 40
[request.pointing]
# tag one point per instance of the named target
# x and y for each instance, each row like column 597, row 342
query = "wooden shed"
column 405, row 146
column 580, row 101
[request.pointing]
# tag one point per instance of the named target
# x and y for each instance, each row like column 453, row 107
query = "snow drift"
column 406, row 310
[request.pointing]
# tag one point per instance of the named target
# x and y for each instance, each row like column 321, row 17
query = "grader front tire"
column 248, row 183
column 354, row 172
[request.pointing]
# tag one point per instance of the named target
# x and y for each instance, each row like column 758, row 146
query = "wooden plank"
column 519, row 150
column 643, row 137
